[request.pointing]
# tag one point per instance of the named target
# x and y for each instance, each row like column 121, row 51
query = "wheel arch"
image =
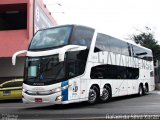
column 141, row 84
column 108, row 86
column 146, row 84
column 96, row 85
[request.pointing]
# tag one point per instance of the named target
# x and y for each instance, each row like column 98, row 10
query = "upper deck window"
column 51, row 38
column 60, row 36
column 82, row 36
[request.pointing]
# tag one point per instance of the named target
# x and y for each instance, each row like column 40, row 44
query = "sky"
column 119, row 18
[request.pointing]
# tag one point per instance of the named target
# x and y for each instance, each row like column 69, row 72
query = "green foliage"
column 147, row 40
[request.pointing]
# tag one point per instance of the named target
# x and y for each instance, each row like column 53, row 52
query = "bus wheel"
column 140, row 93
column 93, row 95
column 146, row 90
column 106, row 94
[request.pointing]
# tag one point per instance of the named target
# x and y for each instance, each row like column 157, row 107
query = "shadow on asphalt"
column 10, row 101
column 115, row 99
column 81, row 104
column 62, row 107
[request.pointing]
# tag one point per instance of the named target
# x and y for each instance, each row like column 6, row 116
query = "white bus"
column 73, row 63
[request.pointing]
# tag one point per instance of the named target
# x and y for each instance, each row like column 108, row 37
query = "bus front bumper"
column 53, row 98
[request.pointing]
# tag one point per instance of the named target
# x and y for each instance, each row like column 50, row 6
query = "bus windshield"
column 43, row 70
column 47, row 70
column 51, row 38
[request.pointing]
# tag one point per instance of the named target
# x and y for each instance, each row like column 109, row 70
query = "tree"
column 147, row 40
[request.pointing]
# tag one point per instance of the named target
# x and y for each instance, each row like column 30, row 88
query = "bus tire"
column 106, row 94
column 146, row 90
column 93, row 95
column 140, row 91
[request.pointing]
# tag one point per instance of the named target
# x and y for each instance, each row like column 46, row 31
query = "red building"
column 19, row 20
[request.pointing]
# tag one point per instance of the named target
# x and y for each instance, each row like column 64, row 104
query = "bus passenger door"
column 74, row 82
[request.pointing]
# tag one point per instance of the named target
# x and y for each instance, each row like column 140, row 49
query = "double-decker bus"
column 74, row 63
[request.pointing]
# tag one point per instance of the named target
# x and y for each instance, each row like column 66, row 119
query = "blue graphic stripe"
column 65, row 91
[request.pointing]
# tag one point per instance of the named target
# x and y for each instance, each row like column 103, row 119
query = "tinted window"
column 115, row 45
column 46, row 70
column 82, row 36
column 76, row 63
column 114, row 72
column 108, row 43
column 9, row 84
column 142, row 53
column 101, row 43
column 51, row 38
column 148, row 56
column 125, row 49
column 77, row 59
column 18, row 83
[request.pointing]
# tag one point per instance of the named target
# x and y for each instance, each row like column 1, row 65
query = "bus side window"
column 114, row 72
column 115, row 45
column 71, row 69
column 82, row 36
column 101, row 43
column 125, row 49
column 97, row 72
column 97, row 75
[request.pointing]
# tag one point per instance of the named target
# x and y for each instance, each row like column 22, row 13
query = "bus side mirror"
column 70, row 48
column 15, row 56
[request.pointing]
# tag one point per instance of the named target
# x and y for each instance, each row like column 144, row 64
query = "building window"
column 13, row 16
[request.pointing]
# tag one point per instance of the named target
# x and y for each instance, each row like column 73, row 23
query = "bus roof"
column 98, row 31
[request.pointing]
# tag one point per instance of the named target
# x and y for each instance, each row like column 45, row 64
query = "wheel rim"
column 92, row 95
column 146, row 89
column 105, row 94
column 140, row 91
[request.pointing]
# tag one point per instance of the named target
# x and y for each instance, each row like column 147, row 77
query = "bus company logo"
column 41, row 77
column 38, row 84
column 75, row 87
column 38, row 89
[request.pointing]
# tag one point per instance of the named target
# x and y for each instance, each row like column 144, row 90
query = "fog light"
column 59, row 98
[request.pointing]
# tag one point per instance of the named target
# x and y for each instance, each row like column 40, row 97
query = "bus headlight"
column 59, row 89
column 56, row 90
column 24, row 90
column 65, row 87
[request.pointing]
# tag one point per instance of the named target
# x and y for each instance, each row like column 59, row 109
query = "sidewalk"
column 155, row 91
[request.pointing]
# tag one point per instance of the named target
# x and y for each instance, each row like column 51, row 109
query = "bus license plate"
column 38, row 100
column 6, row 93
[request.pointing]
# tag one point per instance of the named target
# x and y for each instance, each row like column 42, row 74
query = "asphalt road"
column 127, row 106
